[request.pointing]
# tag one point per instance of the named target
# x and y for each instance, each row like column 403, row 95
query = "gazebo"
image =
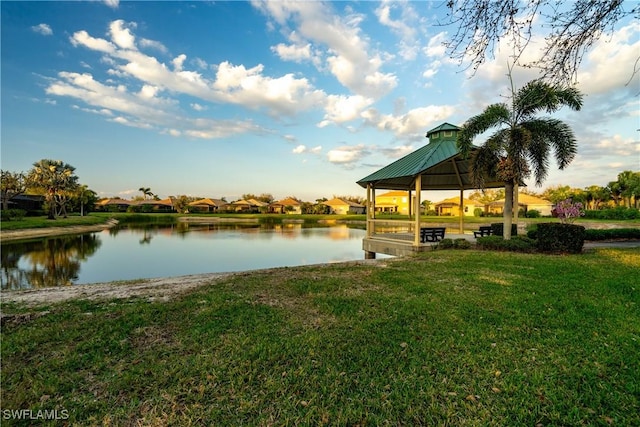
column 439, row 165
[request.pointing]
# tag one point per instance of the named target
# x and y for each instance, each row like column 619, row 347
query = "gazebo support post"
column 371, row 214
column 416, row 236
column 461, row 211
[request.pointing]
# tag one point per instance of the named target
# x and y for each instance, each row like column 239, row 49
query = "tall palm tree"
column 56, row 179
column 146, row 192
column 522, row 142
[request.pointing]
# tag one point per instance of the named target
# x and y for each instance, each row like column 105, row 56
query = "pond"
column 127, row 253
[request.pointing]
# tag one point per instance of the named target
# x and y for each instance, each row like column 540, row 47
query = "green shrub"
column 556, row 237
column 461, row 243
column 12, row 214
column 515, row 244
column 614, row 233
column 446, row 244
column 478, row 212
column 619, row 212
column 497, row 229
column 533, row 214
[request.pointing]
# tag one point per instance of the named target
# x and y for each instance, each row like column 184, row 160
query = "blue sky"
column 219, row 99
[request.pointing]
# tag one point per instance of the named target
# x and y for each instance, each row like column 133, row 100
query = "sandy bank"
column 30, row 233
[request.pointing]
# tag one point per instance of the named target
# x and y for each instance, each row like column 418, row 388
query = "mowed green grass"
column 461, row 338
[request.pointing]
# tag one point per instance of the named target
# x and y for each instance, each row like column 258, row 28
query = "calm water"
column 161, row 251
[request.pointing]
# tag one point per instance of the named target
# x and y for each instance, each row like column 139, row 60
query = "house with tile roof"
column 526, row 203
column 451, row 207
column 207, row 205
column 286, row 206
column 343, row 207
column 393, row 202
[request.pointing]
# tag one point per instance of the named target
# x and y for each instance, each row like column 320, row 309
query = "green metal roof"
column 444, row 126
column 439, row 163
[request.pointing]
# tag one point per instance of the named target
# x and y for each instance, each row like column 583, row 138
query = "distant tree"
column 596, row 195
column 181, row 203
column 307, row 208
column 12, row 185
column 146, row 192
column 573, row 28
column 355, row 199
column 487, row 196
column 629, row 184
column 264, row 197
column 557, row 193
column 521, row 139
column 616, row 191
column 58, row 182
column 84, row 198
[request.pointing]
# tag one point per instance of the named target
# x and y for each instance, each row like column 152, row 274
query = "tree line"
column 55, row 180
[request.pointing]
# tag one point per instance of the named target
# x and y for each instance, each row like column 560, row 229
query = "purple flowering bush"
column 567, row 211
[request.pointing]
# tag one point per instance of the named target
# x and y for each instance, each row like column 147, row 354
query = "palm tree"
column 522, row 141
column 57, row 180
column 146, row 192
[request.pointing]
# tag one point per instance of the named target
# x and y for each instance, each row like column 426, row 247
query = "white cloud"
column 598, row 76
column 113, row 4
column 347, row 155
column 146, row 43
column 341, row 108
column 43, row 29
column 198, row 107
column 404, row 27
column 295, row 53
column 121, row 35
column 299, row 149
column 397, row 152
column 82, row 38
column 348, row 57
column 411, row 124
column 435, row 47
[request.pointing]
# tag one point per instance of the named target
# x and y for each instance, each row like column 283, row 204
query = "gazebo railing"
column 391, row 230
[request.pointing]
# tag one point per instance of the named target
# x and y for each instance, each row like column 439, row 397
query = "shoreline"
column 34, row 233
column 155, row 289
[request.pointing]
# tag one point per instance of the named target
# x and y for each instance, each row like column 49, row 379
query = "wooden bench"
column 483, row 231
column 431, row 234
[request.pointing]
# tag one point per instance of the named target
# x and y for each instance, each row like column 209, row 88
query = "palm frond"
column 538, row 95
column 494, row 115
column 557, row 135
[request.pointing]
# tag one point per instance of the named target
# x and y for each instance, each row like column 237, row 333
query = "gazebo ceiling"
column 439, row 164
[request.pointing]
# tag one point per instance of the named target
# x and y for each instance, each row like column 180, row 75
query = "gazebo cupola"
column 445, row 132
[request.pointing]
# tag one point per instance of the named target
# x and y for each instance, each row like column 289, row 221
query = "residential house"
column 344, row 207
column 206, row 205
column 258, row 205
column 246, row 206
column 27, row 202
column 288, row 206
column 451, row 207
column 393, row 202
column 526, row 203
column 164, row 205
column 115, row 204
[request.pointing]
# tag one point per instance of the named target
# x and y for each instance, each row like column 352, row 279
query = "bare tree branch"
column 574, row 28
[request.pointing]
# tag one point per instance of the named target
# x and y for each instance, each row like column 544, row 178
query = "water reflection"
column 49, row 262
column 147, row 251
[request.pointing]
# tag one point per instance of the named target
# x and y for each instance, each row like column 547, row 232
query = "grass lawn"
column 43, row 222
column 462, row 338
